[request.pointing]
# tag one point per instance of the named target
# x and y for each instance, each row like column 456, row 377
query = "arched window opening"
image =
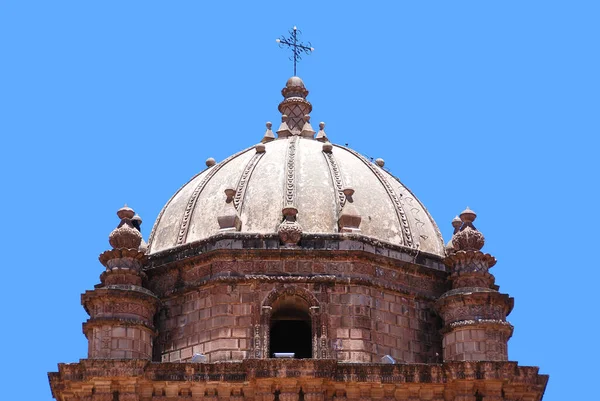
column 290, row 328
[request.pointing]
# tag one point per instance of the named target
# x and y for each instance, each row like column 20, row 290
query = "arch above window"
column 291, row 321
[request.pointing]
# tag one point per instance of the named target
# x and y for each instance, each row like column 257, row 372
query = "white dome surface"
column 261, row 180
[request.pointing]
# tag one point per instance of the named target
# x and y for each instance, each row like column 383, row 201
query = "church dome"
column 295, row 184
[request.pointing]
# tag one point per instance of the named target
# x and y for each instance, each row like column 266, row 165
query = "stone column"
column 474, row 312
column 121, row 310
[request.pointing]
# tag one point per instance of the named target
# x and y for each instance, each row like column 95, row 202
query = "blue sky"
column 491, row 104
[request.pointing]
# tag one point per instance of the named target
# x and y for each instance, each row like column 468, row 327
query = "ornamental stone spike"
column 294, row 105
column 307, row 129
column 284, row 129
column 269, row 136
column 321, row 135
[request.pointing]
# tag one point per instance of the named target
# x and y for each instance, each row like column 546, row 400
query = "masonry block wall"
column 110, row 342
column 361, row 313
column 214, row 320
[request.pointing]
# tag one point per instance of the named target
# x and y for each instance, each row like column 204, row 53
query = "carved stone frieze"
column 406, row 231
column 240, row 190
column 336, row 177
column 191, row 204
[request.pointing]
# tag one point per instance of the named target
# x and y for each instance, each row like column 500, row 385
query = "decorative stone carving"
column 456, row 223
column 468, row 238
column 307, row 129
column 191, row 204
column 125, row 235
column 289, row 230
column 242, row 184
column 406, row 231
column 295, row 106
column 470, row 261
column 473, row 306
column 321, row 135
column 229, row 220
column 349, row 220
column 268, row 137
column 284, row 130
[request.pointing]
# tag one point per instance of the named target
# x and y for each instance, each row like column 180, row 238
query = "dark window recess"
column 291, row 331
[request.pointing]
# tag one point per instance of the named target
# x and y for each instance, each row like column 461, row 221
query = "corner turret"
column 474, row 312
column 121, row 310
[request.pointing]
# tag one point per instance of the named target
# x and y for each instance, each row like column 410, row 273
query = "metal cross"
column 297, row 48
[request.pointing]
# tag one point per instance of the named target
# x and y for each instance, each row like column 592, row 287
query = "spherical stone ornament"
column 210, row 162
column 468, row 239
column 125, row 235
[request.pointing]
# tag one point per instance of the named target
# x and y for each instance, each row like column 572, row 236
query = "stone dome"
column 300, row 182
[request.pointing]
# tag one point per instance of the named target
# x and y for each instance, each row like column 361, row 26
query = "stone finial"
column 269, row 136
column 290, row 232
column 284, row 129
column 229, row 220
column 349, row 220
column 456, row 223
column 210, row 162
column 137, row 223
column 126, row 235
column 295, row 106
column 307, row 129
column 380, row 162
column 468, row 238
column 327, row 147
column 321, row 135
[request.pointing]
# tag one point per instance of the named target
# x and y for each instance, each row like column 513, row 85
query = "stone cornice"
column 330, row 373
column 119, row 292
column 285, row 279
column 270, row 243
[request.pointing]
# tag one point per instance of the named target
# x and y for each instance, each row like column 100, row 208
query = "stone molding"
column 260, row 379
column 310, row 242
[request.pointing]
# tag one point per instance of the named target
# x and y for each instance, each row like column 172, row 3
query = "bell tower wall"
column 359, row 310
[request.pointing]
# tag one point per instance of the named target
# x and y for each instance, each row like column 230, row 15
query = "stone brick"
column 343, row 333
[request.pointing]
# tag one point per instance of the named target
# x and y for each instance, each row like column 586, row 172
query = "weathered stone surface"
column 316, row 380
column 318, row 240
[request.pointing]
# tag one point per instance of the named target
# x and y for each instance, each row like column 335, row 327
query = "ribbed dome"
column 314, row 185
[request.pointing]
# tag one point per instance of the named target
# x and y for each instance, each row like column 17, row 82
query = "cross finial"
column 297, row 47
